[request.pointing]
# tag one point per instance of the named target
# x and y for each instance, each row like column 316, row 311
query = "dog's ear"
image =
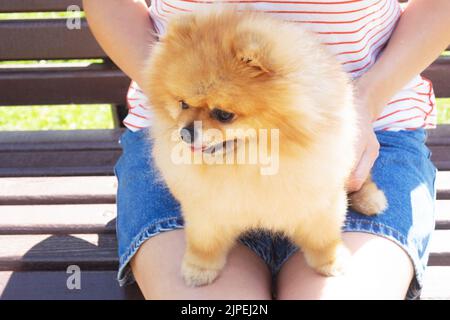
column 253, row 50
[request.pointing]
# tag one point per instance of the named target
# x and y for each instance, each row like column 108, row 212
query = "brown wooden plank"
column 98, row 83
column 440, row 248
column 439, row 143
column 73, row 190
column 37, row 5
column 436, row 284
column 98, row 285
column 57, row 190
column 57, row 219
column 57, row 252
column 439, row 73
column 60, row 139
column 52, row 285
column 40, row 5
column 58, row 163
column 439, row 136
column 99, row 252
column 441, row 157
column 56, row 153
column 99, row 218
column 46, row 171
column 443, row 185
column 46, row 39
column 94, row 152
column 443, row 214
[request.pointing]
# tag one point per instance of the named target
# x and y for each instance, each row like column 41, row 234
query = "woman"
column 383, row 49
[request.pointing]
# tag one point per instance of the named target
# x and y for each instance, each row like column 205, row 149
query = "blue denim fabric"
column 403, row 171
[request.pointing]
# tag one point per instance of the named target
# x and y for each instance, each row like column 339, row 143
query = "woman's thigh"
column 378, row 269
column 156, row 268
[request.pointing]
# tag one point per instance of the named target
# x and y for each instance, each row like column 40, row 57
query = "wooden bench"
column 57, row 189
column 67, row 215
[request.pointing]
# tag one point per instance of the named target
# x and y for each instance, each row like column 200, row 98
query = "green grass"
column 47, row 63
column 66, row 117
column 71, row 117
column 41, row 15
column 443, row 107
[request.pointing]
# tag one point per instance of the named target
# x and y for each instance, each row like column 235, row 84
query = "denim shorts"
column 403, row 171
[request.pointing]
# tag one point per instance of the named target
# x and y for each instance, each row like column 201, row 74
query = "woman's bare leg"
column 378, row 269
column 157, row 269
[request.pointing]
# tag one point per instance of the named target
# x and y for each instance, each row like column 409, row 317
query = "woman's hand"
column 422, row 33
column 367, row 145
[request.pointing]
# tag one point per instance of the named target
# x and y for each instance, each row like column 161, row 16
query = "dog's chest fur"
column 240, row 195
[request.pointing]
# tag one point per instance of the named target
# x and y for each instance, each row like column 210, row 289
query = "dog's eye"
column 221, row 115
column 184, row 105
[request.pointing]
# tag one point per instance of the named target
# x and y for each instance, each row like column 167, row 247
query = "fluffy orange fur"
column 271, row 75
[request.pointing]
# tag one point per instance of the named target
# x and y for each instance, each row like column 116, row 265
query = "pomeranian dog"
column 224, row 84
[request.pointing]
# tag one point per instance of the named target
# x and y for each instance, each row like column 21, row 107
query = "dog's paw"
column 195, row 276
column 335, row 266
column 369, row 200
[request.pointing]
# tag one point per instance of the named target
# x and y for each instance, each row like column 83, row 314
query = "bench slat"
column 96, row 162
column 57, row 252
column 440, row 157
column 443, row 185
column 439, row 136
column 82, row 190
column 443, row 214
column 37, row 5
column 57, row 190
column 60, row 153
column 99, row 218
column 438, row 73
column 95, row 170
column 63, row 85
column 436, row 284
column 439, row 143
column 64, row 153
column 60, row 140
column 440, row 248
column 57, row 219
column 95, row 285
column 36, row 35
column 47, row 39
column 99, row 252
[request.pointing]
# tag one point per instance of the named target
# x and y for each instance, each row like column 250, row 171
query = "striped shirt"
column 355, row 31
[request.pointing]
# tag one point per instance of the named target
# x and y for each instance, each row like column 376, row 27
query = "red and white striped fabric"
column 354, row 30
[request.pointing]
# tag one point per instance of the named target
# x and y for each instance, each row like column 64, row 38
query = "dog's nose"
column 188, row 133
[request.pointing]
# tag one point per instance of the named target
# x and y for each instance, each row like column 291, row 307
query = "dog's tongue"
column 195, row 148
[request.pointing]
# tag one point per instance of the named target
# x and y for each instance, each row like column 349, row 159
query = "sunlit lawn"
column 443, row 106
column 68, row 117
column 71, row 117
column 41, row 15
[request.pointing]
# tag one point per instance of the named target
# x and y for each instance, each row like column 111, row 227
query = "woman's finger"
column 362, row 169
